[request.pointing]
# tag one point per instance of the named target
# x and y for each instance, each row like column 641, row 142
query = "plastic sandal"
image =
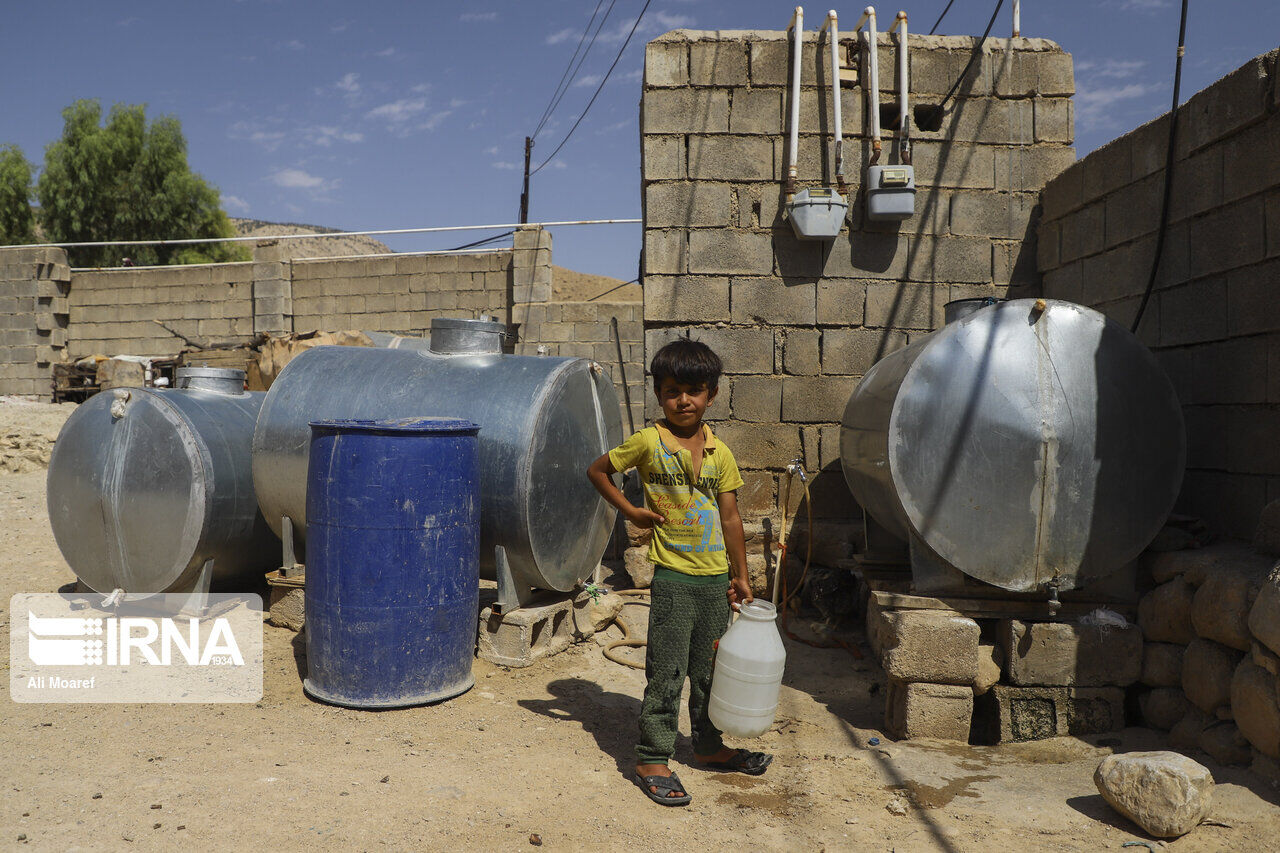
column 665, row 785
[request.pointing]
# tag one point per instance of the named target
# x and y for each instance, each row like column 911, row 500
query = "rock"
column 990, row 665
column 833, row 541
column 1207, row 668
column 288, row 608
column 1225, row 744
column 1162, row 664
column 637, row 536
column 1186, row 734
column 941, row 711
column 1172, row 538
column 937, row 646
column 595, row 613
column 1064, row 654
column 1164, row 707
column 1253, row 703
column 1266, row 768
column 896, row 806
column 1220, row 609
column 1264, row 616
column 1164, row 614
column 1267, row 537
column 636, row 562
column 1265, row 658
column 1165, row 793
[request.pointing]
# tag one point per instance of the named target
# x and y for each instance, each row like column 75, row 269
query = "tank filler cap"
column 220, row 380
column 464, row 336
column 122, row 397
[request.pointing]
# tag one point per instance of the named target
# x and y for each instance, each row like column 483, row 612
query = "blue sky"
column 396, row 115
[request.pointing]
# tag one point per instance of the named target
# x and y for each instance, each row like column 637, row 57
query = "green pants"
column 688, row 615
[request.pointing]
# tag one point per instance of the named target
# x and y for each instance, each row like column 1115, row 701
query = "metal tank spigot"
column 1054, row 604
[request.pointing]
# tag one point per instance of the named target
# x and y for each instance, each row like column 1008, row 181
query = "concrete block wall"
column 798, row 323
column 33, row 318
column 400, row 294
column 1214, row 319
column 113, row 311
column 585, row 330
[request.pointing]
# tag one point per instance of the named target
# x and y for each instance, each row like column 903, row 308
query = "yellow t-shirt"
column 691, row 541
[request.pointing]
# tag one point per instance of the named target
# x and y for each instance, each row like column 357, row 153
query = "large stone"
column 939, row 711
column 1265, row 658
column 1220, row 609
column 636, row 562
column 1207, row 668
column 1162, row 664
column 1165, row 793
column 1264, row 616
column 593, row 613
column 1267, row 537
column 929, row 645
column 1164, row 707
column 1253, row 703
column 1164, row 614
column 990, row 666
column 1224, row 743
column 1186, row 734
column 1058, row 654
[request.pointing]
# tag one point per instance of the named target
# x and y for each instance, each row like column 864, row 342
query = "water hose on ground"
column 627, row 640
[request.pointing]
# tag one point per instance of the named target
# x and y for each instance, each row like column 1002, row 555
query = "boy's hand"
column 739, row 593
column 645, row 518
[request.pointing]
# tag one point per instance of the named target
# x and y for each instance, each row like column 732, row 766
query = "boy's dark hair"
column 687, row 362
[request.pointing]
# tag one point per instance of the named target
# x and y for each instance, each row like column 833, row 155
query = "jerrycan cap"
column 760, row 611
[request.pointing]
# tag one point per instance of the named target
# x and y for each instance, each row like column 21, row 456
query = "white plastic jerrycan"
column 748, row 672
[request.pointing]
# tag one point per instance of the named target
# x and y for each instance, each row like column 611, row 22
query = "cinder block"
column 841, row 302
column 1251, row 294
column 1009, row 714
column 1229, row 237
column 905, row 305
column 773, row 301
column 760, row 445
column 1029, row 168
column 859, row 254
column 757, row 398
column 771, row 61
column 681, row 204
column 815, row 399
column 731, row 158
column 1225, row 107
column 741, row 350
column 665, row 251
column 800, row 352
column 1052, row 654
column 720, row 251
column 1260, row 147
column 685, row 111
column 1194, row 313
column 990, row 214
column 939, row 711
column 852, row 352
column 928, row 645
column 1013, row 263
column 1022, row 74
column 666, row 63
column 1082, row 232
column 527, row 634
column 989, row 120
column 955, row 165
column 755, row 111
column 1054, row 120
column 1198, row 182
column 664, row 158
column 722, row 62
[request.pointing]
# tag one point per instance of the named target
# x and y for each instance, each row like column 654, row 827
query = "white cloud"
column 561, row 35
column 386, row 51
column 587, row 80
column 1144, row 5
column 435, row 119
column 420, row 89
column 257, row 134
column 325, row 135
column 296, row 179
column 477, row 17
column 492, row 150
column 349, row 83
column 235, row 203
column 1116, row 69
column 293, row 44
column 505, row 164
column 339, row 26
column 398, row 111
column 1096, row 107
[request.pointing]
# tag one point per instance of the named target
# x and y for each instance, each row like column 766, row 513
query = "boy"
column 690, row 483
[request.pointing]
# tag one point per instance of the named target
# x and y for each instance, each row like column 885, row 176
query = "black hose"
column 1168, row 171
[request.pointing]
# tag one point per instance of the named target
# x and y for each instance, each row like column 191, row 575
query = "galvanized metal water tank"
column 145, row 485
column 542, row 422
column 393, row 570
column 1024, row 447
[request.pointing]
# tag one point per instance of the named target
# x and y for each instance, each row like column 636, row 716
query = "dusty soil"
column 544, row 750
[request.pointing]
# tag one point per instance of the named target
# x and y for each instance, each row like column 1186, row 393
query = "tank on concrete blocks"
column 151, row 490
column 542, row 422
column 1033, row 445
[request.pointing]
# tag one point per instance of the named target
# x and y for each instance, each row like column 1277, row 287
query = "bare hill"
column 321, row 247
column 572, row 286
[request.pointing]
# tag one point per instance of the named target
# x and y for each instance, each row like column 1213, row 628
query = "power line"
column 566, row 79
column 940, row 17
column 935, row 114
column 587, row 109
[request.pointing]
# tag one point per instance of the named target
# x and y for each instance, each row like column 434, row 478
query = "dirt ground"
column 542, row 751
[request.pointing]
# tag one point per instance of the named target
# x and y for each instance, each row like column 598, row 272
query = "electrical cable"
column 483, row 242
column 598, row 88
column 611, row 290
column 1168, row 171
column 940, row 17
column 936, row 112
column 546, row 112
column 596, row 35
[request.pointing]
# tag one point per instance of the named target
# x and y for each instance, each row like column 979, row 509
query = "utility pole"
column 524, row 196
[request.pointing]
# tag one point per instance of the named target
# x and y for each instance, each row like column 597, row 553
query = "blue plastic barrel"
column 393, row 549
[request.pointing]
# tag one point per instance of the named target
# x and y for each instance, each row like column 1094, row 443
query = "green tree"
column 16, row 219
column 128, row 180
